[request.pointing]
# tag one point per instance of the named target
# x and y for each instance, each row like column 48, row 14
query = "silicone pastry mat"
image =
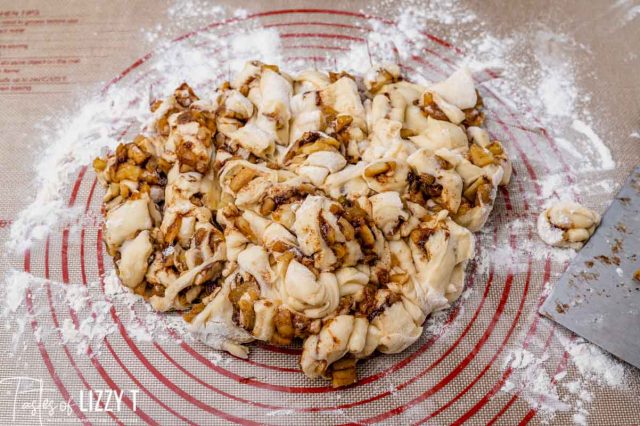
column 63, row 50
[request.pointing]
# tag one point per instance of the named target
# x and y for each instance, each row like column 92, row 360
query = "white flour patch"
column 219, row 358
column 501, row 254
column 13, row 294
column 583, row 397
column 139, row 332
column 436, row 324
column 189, row 9
column 92, row 330
column 601, row 150
column 282, row 412
column 532, row 376
column 531, row 381
column 569, row 148
column 552, row 185
column 76, row 296
column 269, row 49
column 15, row 290
column 112, row 285
column 195, row 13
column 632, row 14
column 594, row 364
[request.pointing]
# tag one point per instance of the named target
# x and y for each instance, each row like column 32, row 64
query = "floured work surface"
column 551, row 94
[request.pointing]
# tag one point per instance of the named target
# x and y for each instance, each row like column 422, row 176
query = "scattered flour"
column 632, row 14
column 282, row 412
column 533, row 382
column 531, row 378
column 268, row 49
column 601, row 150
column 13, row 294
column 76, row 296
column 195, row 9
column 436, row 323
column 96, row 326
column 14, row 291
column 594, row 364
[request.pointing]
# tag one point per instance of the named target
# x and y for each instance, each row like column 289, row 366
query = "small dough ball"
column 567, row 224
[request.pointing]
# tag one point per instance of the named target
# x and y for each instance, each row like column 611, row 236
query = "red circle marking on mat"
column 433, row 38
column 531, row 332
column 474, row 409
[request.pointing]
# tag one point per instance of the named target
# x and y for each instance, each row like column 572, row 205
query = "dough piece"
column 440, row 249
column 312, row 219
column 397, row 329
column 134, row 255
column 347, row 182
column 328, row 346
column 379, row 76
column 215, row 326
column 125, row 220
column 386, row 174
column 441, row 134
column 388, row 212
column 567, row 224
column 311, row 296
column 343, row 97
column 458, row 89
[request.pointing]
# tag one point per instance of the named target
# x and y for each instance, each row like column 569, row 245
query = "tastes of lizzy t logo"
column 27, row 398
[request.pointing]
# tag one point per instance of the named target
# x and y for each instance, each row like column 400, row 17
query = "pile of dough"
column 324, row 207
